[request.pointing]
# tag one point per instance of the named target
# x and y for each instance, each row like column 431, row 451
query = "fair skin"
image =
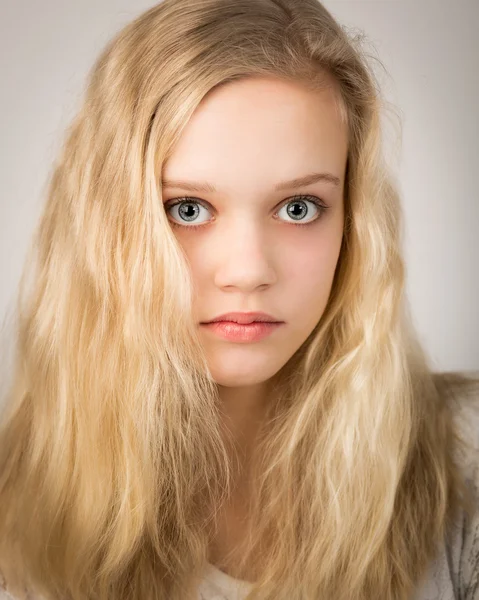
column 247, row 254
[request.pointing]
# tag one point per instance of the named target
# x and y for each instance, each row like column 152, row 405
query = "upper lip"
column 245, row 317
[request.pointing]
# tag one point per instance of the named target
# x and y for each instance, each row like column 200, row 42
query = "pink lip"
column 245, row 318
column 235, row 332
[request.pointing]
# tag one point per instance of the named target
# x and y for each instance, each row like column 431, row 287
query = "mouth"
column 242, row 332
column 243, row 318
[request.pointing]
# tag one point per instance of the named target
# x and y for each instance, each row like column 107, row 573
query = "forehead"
column 260, row 129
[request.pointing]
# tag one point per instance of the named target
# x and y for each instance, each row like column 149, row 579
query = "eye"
column 188, row 209
column 296, row 208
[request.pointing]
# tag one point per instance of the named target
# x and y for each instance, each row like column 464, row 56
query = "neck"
column 243, row 410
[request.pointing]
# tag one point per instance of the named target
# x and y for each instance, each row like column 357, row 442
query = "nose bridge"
column 244, row 254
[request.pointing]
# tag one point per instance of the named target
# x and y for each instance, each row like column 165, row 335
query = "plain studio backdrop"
column 430, row 49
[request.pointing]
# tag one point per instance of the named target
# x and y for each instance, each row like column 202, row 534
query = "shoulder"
column 464, row 403
column 462, row 545
column 466, row 548
column 461, row 394
column 455, row 571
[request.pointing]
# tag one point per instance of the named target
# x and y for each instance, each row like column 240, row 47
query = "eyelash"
column 187, row 199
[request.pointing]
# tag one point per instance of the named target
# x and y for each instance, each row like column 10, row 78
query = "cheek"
column 309, row 270
column 312, row 263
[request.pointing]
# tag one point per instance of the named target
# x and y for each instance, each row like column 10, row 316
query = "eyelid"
column 315, row 200
column 206, row 204
column 175, row 201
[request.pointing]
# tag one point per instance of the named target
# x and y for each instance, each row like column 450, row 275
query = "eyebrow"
column 194, row 186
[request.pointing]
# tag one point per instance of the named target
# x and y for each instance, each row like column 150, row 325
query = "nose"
column 244, row 258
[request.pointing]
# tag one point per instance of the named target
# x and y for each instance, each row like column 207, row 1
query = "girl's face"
column 259, row 245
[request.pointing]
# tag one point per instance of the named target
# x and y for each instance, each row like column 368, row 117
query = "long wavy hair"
column 114, row 462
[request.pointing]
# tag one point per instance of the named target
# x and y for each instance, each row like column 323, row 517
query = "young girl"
column 218, row 391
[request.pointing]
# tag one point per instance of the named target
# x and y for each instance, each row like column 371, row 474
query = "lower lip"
column 242, row 333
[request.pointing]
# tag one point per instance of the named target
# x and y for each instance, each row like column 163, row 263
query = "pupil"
column 183, row 210
column 293, row 213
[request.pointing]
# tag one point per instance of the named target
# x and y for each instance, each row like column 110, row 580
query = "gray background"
column 431, row 52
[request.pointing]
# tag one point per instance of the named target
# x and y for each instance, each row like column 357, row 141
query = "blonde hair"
column 113, row 459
